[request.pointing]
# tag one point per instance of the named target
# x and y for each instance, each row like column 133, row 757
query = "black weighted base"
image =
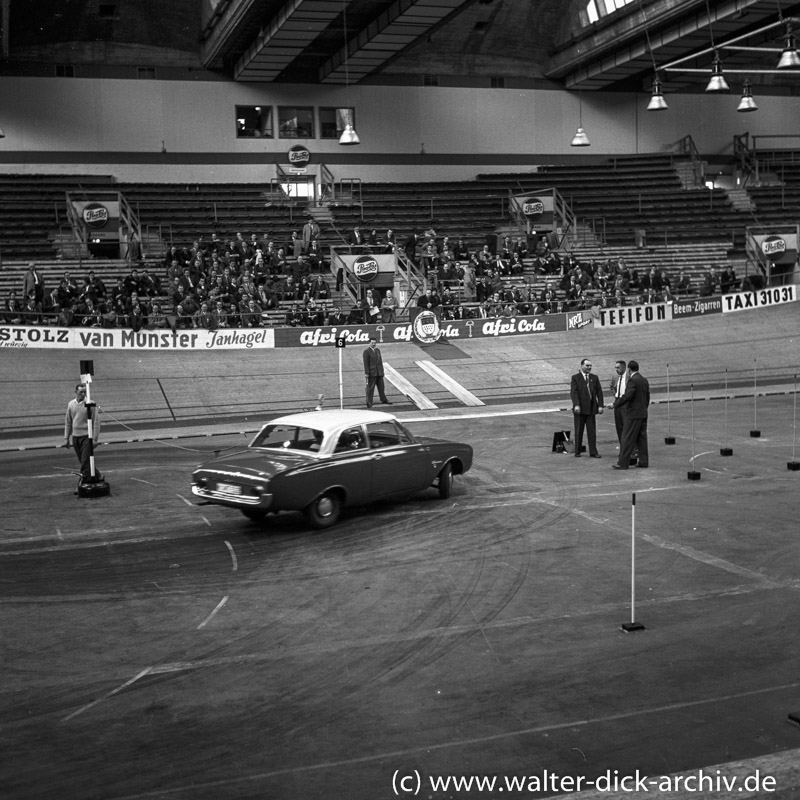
column 98, row 488
column 755, row 434
column 726, row 451
column 669, row 440
column 693, row 476
column 793, row 466
column 632, row 627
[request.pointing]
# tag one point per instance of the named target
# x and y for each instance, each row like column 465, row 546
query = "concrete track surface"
column 153, row 648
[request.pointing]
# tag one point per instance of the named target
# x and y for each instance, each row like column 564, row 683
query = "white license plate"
column 229, row 488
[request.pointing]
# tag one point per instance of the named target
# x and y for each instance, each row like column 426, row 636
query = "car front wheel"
column 446, row 481
column 324, row 511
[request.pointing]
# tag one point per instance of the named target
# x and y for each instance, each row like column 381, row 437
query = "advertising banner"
column 426, row 329
column 696, row 307
column 40, row 336
column 776, row 295
column 631, row 315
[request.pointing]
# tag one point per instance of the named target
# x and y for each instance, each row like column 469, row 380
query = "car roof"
column 332, row 419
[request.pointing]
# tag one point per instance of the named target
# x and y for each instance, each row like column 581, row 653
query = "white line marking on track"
column 141, row 480
column 211, row 615
column 188, row 502
column 205, row 519
column 108, row 694
column 233, row 555
column 450, row 383
column 59, row 534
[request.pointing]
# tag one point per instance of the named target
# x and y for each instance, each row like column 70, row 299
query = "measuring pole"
column 669, row 438
column 755, row 433
column 341, row 341
column 633, row 625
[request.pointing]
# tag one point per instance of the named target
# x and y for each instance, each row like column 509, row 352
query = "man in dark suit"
column 618, row 385
column 587, row 401
column 373, row 370
column 634, row 401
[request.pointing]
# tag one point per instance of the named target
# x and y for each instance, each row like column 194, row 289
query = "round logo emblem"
column 426, row 327
column 533, row 208
column 95, row 215
column 773, row 246
column 299, row 156
column 365, row 268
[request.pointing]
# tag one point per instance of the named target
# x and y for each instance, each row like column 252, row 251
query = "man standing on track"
column 634, row 405
column 373, row 370
column 76, row 426
column 587, row 401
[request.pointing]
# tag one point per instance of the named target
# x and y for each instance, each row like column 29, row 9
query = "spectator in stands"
column 251, row 316
column 33, row 283
column 710, row 283
column 448, row 302
column 620, row 298
column 94, row 286
column 203, row 318
column 683, row 284
column 31, row 311
column 185, row 311
column 138, row 309
column 310, row 231
column 728, row 281
column 335, row 316
column 220, row 315
column 157, row 319
column 294, row 317
column 410, row 247
column 388, row 307
column 13, row 309
column 150, row 284
column 131, row 282
column 371, row 306
column 468, row 279
column 357, row 240
column 516, row 266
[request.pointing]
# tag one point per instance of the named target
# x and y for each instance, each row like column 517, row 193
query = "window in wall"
column 254, row 122
column 65, row 71
column 332, row 121
column 146, row 73
column 295, row 122
column 497, row 82
column 601, row 8
column 430, row 80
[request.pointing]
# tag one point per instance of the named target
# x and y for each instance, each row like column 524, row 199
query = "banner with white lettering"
column 41, row 336
column 622, row 316
column 775, row 295
column 696, row 306
column 425, row 329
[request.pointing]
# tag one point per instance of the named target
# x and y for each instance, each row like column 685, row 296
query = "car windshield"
column 288, row 437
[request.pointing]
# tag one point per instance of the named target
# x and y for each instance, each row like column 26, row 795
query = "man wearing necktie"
column 373, row 370
column 618, row 385
column 587, row 401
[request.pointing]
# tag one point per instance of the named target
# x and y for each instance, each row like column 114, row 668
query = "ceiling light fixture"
column 580, row 139
column 747, row 103
column 349, row 135
column 657, row 101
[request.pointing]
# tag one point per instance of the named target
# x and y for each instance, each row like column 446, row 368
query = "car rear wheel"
column 324, row 511
column 446, row 481
column 254, row 514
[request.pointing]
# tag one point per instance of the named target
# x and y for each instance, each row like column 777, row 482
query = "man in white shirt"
column 76, row 426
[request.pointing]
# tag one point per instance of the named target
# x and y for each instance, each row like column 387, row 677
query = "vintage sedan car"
column 320, row 461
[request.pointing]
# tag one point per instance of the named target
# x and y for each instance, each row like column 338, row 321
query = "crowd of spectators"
column 249, row 281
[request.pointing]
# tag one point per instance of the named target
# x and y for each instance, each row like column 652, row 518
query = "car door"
column 351, row 465
column 399, row 464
